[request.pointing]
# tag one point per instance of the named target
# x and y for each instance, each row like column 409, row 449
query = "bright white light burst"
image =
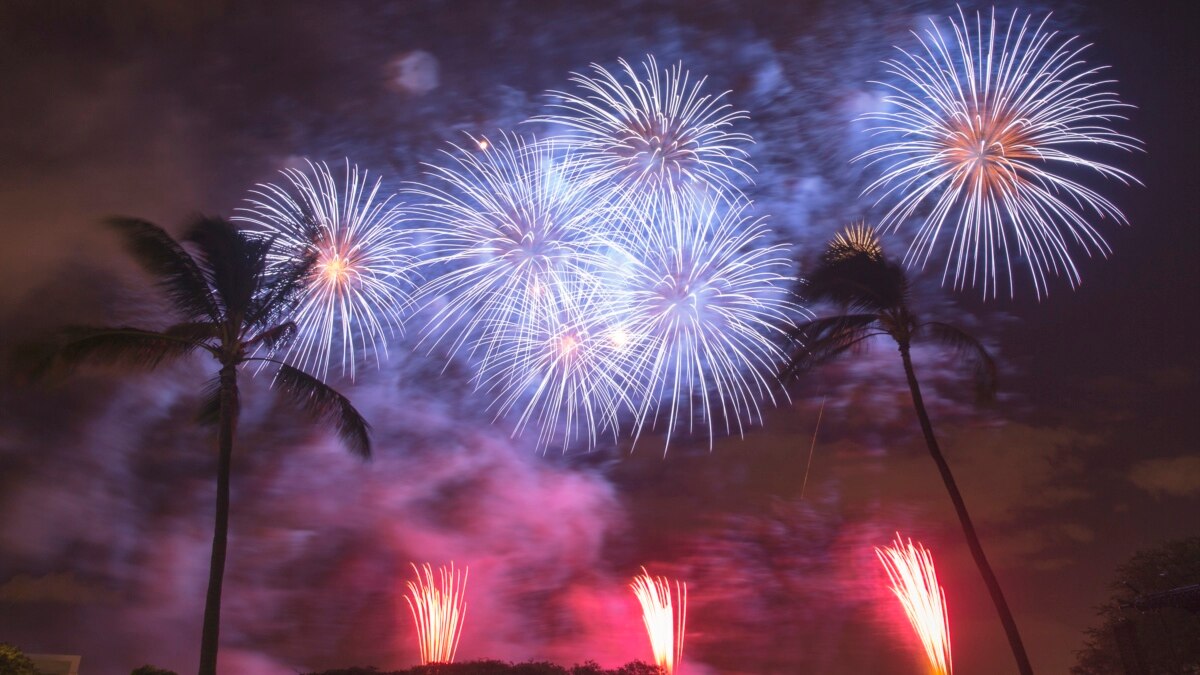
column 701, row 302
column 359, row 285
column 438, row 609
column 652, row 133
column 914, row 582
column 610, row 277
column 677, row 327
column 989, row 126
column 664, row 611
column 510, row 230
column 569, row 375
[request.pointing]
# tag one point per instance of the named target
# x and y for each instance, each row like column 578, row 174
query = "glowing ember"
column 438, row 609
column 336, row 270
column 665, row 615
column 914, row 581
column 567, row 344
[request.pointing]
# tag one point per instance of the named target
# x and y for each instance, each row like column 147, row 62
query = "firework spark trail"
column 511, row 227
column 702, row 298
column 665, row 614
column 812, row 448
column 653, row 133
column 359, row 285
column 914, row 581
column 989, row 129
column 438, row 610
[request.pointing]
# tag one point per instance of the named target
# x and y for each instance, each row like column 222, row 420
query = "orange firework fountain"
column 665, row 614
column 438, row 609
column 914, row 581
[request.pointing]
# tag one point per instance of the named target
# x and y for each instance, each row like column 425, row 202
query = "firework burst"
column 854, row 240
column 914, row 581
column 701, row 300
column 438, row 609
column 359, row 285
column 665, row 614
column 510, row 228
column 597, row 280
column 569, row 375
column 989, row 127
column 652, row 133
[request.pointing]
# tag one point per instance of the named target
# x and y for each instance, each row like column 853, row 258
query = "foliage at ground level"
column 152, row 670
column 489, row 667
column 1137, row 634
column 14, row 662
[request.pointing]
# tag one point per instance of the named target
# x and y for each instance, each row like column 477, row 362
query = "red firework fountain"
column 665, row 615
column 910, row 568
column 438, row 609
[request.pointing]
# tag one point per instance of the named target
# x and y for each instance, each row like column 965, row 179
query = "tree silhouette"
column 873, row 292
column 14, row 662
column 233, row 305
column 493, row 667
column 1151, row 624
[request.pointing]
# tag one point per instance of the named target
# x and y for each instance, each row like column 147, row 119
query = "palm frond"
column 970, row 351
column 209, row 413
column 195, row 331
column 283, row 291
column 32, row 360
column 233, row 262
column 275, row 337
column 860, row 282
column 175, row 271
column 323, row 403
column 822, row 340
column 123, row 346
column 854, row 273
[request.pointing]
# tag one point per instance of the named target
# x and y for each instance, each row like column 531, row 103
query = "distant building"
column 55, row 664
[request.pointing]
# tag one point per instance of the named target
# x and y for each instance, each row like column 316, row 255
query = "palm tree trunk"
column 989, row 577
column 216, row 569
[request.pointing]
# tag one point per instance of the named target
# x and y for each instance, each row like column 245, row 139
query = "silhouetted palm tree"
column 873, row 291
column 234, row 306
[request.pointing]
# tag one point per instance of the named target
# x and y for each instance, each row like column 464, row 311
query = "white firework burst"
column 569, row 376
column 702, row 301
column 652, row 132
column 990, row 127
column 510, row 229
column 361, row 281
column 677, row 325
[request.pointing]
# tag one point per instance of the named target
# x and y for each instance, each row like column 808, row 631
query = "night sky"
column 165, row 110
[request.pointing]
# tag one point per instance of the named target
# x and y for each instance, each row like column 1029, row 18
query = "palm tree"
column 873, row 291
column 233, row 305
